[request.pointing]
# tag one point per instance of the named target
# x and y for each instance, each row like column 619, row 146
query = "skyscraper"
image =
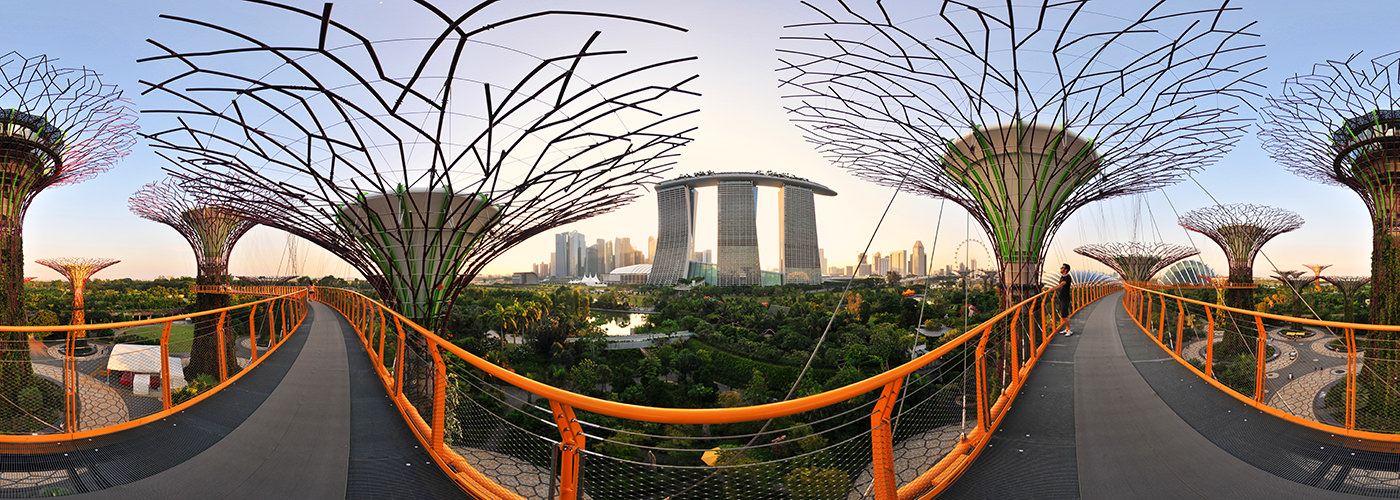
column 800, row 260
column 676, row 225
column 899, row 262
column 918, row 261
column 738, row 234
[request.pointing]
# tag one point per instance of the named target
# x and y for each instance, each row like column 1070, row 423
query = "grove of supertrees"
column 1241, row 230
column 57, row 126
column 1340, row 125
column 1021, row 114
column 1297, row 282
column 1136, row 261
column 211, row 231
column 1348, row 285
column 78, row 270
column 420, row 158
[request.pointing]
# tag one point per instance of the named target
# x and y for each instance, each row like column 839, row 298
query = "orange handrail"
column 73, row 382
column 360, row 311
column 1135, row 296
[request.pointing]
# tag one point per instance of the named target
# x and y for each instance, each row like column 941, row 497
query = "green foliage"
column 194, row 387
column 1237, row 373
column 813, row 483
column 30, row 399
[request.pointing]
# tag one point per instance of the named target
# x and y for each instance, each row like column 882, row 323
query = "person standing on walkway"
column 1062, row 296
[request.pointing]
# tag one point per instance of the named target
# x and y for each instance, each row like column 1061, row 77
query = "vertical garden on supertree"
column 1340, row 125
column 1135, row 261
column 212, row 232
column 420, row 158
column 1020, row 114
column 78, row 270
column 57, row 126
column 1241, row 230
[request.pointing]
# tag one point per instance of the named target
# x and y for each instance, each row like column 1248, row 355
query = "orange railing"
column 1304, row 360
column 501, row 435
column 115, row 386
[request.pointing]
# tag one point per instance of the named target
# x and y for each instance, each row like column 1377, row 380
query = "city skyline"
column 741, row 111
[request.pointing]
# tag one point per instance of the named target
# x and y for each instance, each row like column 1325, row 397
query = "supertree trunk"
column 1240, row 296
column 204, row 351
column 15, row 368
column 1381, row 375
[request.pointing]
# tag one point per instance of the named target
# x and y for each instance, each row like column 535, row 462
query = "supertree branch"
column 1337, row 125
column 1241, row 230
column 1019, row 114
column 210, row 230
column 1136, row 261
column 1295, row 280
column 77, row 270
column 420, row 170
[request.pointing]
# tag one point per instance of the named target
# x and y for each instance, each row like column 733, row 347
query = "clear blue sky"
column 742, row 127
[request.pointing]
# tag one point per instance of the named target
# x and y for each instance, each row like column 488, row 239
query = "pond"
column 618, row 323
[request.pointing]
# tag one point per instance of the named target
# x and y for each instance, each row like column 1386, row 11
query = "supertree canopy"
column 211, row 232
column 1296, row 282
column 1136, row 262
column 421, row 158
column 57, row 126
column 1020, row 114
column 1241, row 230
column 1348, row 285
column 77, row 270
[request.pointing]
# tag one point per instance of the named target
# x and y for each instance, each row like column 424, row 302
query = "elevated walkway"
column 1107, row 414
column 309, row 422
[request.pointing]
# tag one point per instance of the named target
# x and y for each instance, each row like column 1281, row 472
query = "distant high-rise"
column 918, row 261
column 899, row 262
column 738, row 234
column 737, row 261
column 676, row 225
column 821, row 252
column 559, row 259
column 622, row 251
column 577, row 253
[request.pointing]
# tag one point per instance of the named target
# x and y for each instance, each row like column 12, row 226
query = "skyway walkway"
column 1108, row 415
column 310, row 422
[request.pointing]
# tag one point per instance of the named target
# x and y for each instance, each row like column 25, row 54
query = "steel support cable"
column 825, row 331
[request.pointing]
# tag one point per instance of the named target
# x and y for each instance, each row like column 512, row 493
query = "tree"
column 892, row 278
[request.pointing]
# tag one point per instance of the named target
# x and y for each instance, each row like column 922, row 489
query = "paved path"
column 99, row 405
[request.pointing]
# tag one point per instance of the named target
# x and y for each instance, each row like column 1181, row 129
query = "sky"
column 742, row 126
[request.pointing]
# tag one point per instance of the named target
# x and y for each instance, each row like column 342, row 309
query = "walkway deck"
column 1108, row 415
column 310, row 422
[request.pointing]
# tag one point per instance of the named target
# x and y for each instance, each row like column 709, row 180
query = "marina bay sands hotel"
column 738, row 230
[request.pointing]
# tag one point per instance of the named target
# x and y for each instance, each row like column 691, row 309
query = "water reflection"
column 618, row 323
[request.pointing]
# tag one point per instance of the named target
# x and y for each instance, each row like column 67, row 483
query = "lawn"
column 180, row 336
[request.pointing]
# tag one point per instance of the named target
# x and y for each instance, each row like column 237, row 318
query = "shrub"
column 198, row 385
column 814, row 483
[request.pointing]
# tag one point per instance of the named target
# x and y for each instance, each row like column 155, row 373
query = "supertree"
column 1340, row 125
column 1136, row 262
column 211, row 231
column 1317, row 274
column 1297, row 283
column 410, row 158
column 1020, row 114
column 78, row 270
column 1348, row 285
column 1241, row 230
column 57, row 126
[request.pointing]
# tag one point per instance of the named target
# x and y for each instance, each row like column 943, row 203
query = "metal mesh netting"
column 511, row 437
column 1308, row 367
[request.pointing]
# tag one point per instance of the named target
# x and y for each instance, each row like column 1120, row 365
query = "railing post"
column 273, row 334
column 253, row 331
column 70, row 384
column 223, row 351
column 882, row 443
column 980, row 385
column 570, row 445
column 165, row 365
column 1180, row 325
column 1263, row 351
column 1015, row 346
column 398, row 360
column 1210, row 343
column 1162, row 322
column 439, row 441
column 1350, row 334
